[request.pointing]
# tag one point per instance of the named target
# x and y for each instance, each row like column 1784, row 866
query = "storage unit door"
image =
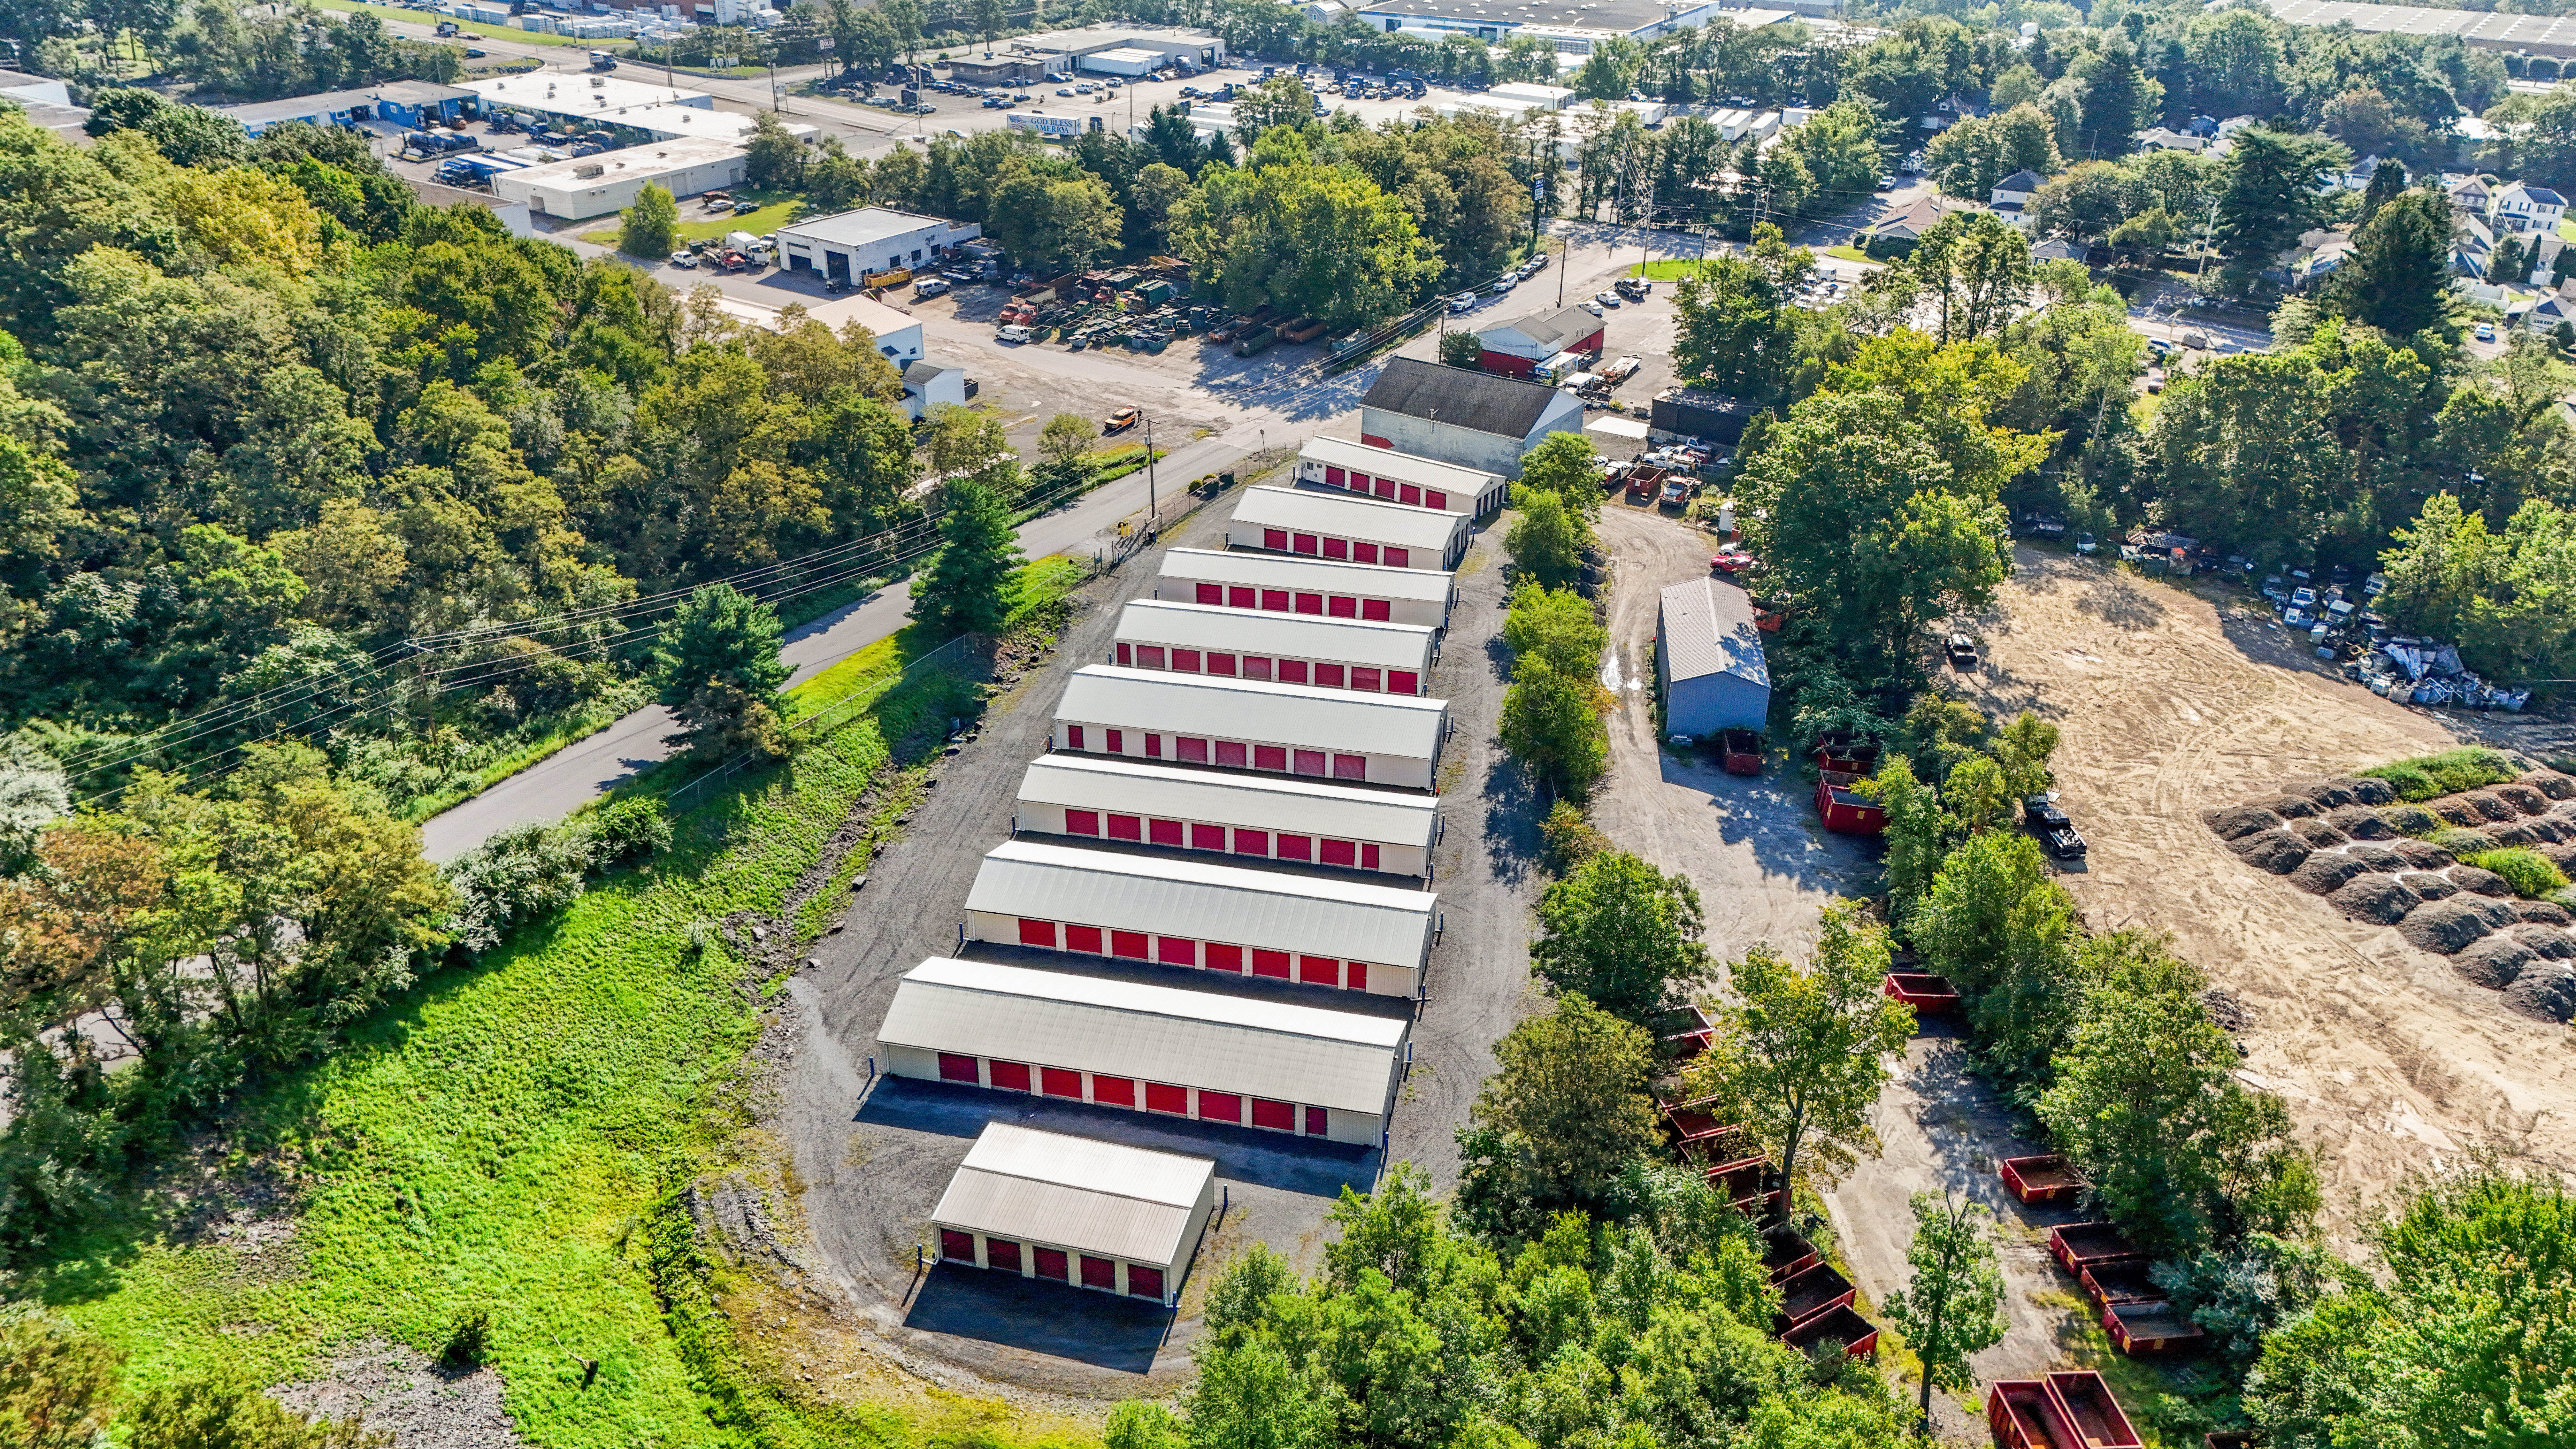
column 955, row 1246
column 1099, row 1272
column 1144, row 1282
column 955, row 1068
column 1057, row 1082
column 1051, row 1263
column 1220, row 1107
column 1277, row 1116
column 1002, row 1253
column 1011, row 1076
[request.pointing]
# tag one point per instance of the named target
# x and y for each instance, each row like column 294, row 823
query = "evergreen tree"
column 718, row 669
column 2385, row 185
column 970, row 585
column 2398, row 276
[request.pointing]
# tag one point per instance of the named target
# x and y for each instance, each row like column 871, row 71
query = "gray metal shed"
column 1708, row 657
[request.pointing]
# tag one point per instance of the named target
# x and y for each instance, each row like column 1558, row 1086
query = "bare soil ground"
column 395, row 1390
column 2171, row 701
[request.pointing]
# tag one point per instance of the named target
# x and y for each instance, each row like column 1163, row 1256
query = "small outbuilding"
column 1708, row 658
column 1077, row 1210
column 1459, row 415
column 1205, row 1056
column 1345, row 526
column 1245, row 921
column 1245, row 724
column 1519, row 347
column 1283, row 584
column 1394, row 477
column 1328, row 653
column 1253, row 817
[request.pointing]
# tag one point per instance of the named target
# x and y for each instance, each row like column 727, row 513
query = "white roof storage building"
column 1263, row 817
column 1346, row 527
column 1134, row 906
column 1077, row 1210
column 1284, row 729
column 1290, row 648
column 1204, row 1055
column 1304, row 586
column 1395, row 477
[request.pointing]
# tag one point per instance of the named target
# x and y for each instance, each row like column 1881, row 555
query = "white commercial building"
column 1078, row 1210
column 1262, row 817
column 1207, row 1056
column 1281, row 584
column 1400, row 477
column 1342, row 526
column 1463, row 416
column 588, row 186
column 1133, row 906
column 1290, row 648
column 1281, row 729
column 585, row 100
column 1554, row 98
column 898, row 334
column 850, row 245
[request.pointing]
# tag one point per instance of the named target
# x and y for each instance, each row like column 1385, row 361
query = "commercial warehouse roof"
column 1191, row 1038
column 865, row 225
column 1314, row 575
column 2487, row 28
column 1246, row 709
column 652, row 161
column 1344, row 919
column 1347, row 515
column 1077, row 1192
column 1410, row 467
column 1294, row 636
column 1708, row 629
column 324, row 103
column 1477, row 401
column 601, row 95
column 1263, row 802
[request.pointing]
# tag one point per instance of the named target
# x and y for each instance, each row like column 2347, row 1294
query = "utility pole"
column 1153, row 508
column 2206, row 227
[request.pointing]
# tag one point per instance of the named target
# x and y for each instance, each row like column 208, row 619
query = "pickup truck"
column 2057, row 833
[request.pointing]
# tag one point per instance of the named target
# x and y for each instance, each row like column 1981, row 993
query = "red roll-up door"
column 1190, row 751
column 1398, row 557
column 1144, row 1282
column 954, row 1068
column 1304, row 543
column 1126, row 827
column 1364, row 678
column 1176, row 951
column 1149, row 656
column 1274, row 538
column 1256, row 666
column 1163, row 832
column 1328, row 676
column 1126, row 656
column 1211, row 594
column 1231, row 753
column 1037, row 933
column 1337, row 548
column 1292, row 671
column 1221, row 664
column 1379, row 609
column 1207, row 837
column 1318, row 1122
column 1364, row 553
column 1099, row 1272
column 1085, row 939
column 1002, row 1255
column 1368, row 857
column 1270, row 963
column 1057, row 1082
column 1338, row 852
column 1153, row 747
column 1113, row 1091
column 1130, row 944
column 1434, row 498
column 1010, row 1076
column 1082, row 822
column 1222, row 957
column 1349, row 767
column 1269, row 757
column 1275, row 600
column 1310, row 603
column 1319, row 971
column 1360, row 481
column 1237, row 598
column 1251, row 842
column 1073, row 737
column 1220, row 1106
column 1311, row 762
column 1403, row 681
column 1276, row 1116
column 1355, row 976
column 955, row 1246
column 1051, row 1263
column 1332, row 475
column 1185, row 661
column 1343, row 607
column 1296, row 847
column 1115, row 742
column 1386, row 488
column 1163, row 1097
column 1409, row 494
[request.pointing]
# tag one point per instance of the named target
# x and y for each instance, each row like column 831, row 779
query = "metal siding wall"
column 904, row 1061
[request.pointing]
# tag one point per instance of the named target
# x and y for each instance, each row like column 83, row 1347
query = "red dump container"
column 2090, row 1411
column 1847, row 813
column 1815, row 1289
column 1857, row 1335
column 1692, row 1122
column 1746, row 1182
column 2078, row 1246
column 2155, row 1327
column 2109, row 1283
column 1922, row 990
column 2043, row 1179
column 1785, row 1252
column 2062, row 1411
column 1740, row 752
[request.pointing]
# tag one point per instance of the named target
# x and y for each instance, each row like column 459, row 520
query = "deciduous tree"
column 1953, row 1305
column 1623, row 934
column 651, row 225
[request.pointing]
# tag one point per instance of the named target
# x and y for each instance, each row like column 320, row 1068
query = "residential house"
column 2011, row 197
column 2163, row 138
column 2472, row 244
column 2522, row 206
column 1909, row 225
column 2551, row 310
column 2356, row 177
column 2061, row 249
column 2469, row 194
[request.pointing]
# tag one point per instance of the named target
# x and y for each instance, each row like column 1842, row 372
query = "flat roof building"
column 1518, row 347
column 1461, row 416
column 1260, row 817
column 412, row 103
column 1285, row 584
column 1077, row 1210
column 1708, row 657
column 2488, row 30
column 1206, row 1056
column 588, row 186
column 1242, row 724
column 1394, row 477
column 1149, row 46
column 1573, row 26
column 1245, row 921
column 1344, row 526
column 849, row 245
column 585, row 101
column 1290, row 648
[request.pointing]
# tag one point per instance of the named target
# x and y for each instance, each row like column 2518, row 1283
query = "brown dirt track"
column 2173, row 701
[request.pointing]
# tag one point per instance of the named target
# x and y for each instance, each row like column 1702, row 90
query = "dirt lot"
column 872, row 1161
column 2170, row 703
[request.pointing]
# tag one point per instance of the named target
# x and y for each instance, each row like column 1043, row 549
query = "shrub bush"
column 468, row 1341
column 2530, row 873
column 625, row 830
column 2462, row 843
column 2447, row 773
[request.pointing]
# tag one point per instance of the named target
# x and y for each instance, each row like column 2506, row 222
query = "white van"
column 1012, row 333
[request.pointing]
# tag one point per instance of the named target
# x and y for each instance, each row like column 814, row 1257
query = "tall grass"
column 2447, row 773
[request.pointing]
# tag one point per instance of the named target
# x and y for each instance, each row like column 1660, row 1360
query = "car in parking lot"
column 473, row 52
column 1463, row 302
column 1119, row 421
column 1887, row 183
column 1592, row 307
column 2486, row 332
column 1607, row 299
column 684, row 259
column 1502, row 285
column 931, row 287
column 1064, row 90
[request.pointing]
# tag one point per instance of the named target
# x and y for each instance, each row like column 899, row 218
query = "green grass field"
column 512, row 1137
column 697, row 224
column 1669, row 269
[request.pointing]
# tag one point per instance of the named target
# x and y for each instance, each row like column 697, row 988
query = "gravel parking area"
column 873, row 1161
